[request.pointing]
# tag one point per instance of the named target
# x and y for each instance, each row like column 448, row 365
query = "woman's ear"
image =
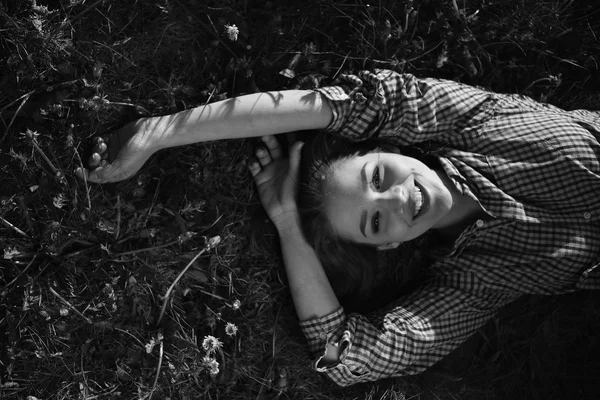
column 388, row 246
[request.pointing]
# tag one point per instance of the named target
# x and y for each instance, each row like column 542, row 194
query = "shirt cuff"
column 359, row 109
column 319, row 331
column 336, row 98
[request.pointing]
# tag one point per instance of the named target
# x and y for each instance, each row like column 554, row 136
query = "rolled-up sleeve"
column 406, row 338
column 384, row 104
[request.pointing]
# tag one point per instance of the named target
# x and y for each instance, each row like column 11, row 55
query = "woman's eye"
column 375, row 180
column 375, row 222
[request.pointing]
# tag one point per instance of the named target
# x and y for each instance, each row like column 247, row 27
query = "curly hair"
column 353, row 269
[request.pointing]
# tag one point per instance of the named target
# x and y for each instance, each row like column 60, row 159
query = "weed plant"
column 84, row 269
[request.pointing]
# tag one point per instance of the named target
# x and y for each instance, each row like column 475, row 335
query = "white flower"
column 150, row 346
column 59, row 201
column 105, row 248
column 153, row 342
column 232, row 32
column 211, row 344
column 231, row 329
column 10, row 253
column 211, row 364
column 236, row 304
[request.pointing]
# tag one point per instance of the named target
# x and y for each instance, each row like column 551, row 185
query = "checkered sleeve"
column 384, row 103
column 411, row 335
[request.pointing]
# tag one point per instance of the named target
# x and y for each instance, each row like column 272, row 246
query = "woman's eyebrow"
column 363, row 178
column 364, row 184
column 363, row 222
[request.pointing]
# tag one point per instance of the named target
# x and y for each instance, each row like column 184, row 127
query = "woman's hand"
column 277, row 181
column 121, row 154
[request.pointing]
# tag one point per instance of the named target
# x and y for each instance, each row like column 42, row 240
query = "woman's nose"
column 396, row 199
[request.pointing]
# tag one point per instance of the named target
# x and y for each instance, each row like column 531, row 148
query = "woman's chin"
column 441, row 215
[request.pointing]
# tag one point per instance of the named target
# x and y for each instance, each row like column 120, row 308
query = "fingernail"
column 100, row 148
column 95, row 160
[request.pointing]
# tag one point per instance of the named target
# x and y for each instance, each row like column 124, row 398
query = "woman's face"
column 384, row 198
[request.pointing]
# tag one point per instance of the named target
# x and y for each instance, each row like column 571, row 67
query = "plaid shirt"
column 535, row 170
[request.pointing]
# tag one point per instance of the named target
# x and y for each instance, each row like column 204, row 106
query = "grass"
column 84, row 269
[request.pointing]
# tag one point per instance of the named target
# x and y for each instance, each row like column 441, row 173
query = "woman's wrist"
column 156, row 130
column 288, row 225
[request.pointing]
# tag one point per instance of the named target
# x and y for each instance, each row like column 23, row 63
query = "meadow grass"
column 84, row 269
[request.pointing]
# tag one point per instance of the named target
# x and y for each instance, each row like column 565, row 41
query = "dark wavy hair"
column 353, row 269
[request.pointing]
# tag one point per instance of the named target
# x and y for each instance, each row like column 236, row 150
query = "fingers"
column 295, row 152
column 263, row 157
column 254, row 168
column 100, row 148
column 99, row 152
column 94, row 160
column 110, row 159
column 97, row 162
column 83, row 173
column 95, row 176
column 262, row 160
column 273, row 146
column 104, row 173
column 274, row 152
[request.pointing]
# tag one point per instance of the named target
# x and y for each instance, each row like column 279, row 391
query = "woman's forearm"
column 251, row 115
column 310, row 288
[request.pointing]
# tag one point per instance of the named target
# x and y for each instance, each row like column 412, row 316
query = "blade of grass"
column 212, row 242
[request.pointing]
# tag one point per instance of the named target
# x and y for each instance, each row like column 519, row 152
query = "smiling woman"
column 377, row 199
column 508, row 186
column 494, row 188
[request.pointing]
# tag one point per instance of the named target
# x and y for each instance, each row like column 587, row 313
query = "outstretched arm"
column 252, row 115
column 124, row 152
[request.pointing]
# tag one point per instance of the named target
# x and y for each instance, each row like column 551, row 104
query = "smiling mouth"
column 420, row 200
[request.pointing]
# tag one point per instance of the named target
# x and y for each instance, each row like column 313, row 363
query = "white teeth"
column 418, row 200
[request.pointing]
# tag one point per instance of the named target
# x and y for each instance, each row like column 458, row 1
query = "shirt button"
column 323, row 335
column 479, row 223
column 360, row 98
column 587, row 215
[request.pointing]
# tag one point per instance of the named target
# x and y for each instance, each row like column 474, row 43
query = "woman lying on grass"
column 510, row 187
